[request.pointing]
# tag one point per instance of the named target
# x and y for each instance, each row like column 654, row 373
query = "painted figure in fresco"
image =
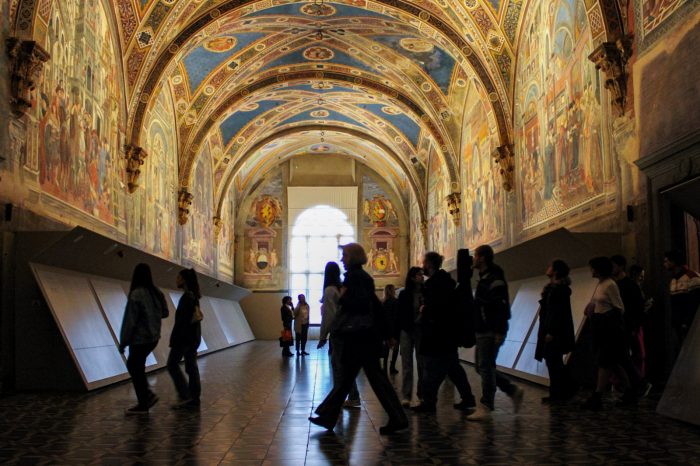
column 393, row 262
column 274, row 261
column 252, row 265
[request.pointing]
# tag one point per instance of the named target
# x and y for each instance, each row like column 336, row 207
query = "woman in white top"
column 301, row 325
column 605, row 312
column 329, row 309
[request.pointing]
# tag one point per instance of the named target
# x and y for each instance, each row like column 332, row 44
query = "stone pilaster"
column 27, row 60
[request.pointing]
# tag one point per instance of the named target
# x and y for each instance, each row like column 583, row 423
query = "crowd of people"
column 433, row 316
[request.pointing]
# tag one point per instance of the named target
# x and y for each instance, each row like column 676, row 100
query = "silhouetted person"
column 440, row 326
column 359, row 326
column 390, row 309
column 633, row 302
column 407, row 332
column 329, row 310
column 605, row 312
column 287, row 316
column 140, row 332
column 684, row 290
column 555, row 336
column 185, row 339
column 301, row 325
column 492, row 312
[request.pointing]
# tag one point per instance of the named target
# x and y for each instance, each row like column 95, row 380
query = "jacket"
column 405, row 314
column 186, row 333
column 142, row 317
column 555, row 320
column 390, row 309
column 492, row 303
column 329, row 309
column 439, row 319
column 465, row 310
column 633, row 300
column 287, row 316
column 360, row 308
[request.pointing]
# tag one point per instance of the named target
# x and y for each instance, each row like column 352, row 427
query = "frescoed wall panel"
column 483, row 209
column 226, row 240
column 69, row 152
column 442, row 233
column 380, row 231
column 415, row 233
column 197, row 234
column 562, row 164
column 262, row 222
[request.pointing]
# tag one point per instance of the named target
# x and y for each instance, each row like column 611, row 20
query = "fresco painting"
column 380, row 230
column 655, row 12
column 264, row 226
column 482, row 196
column 558, row 115
column 197, row 242
column 78, row 111
column 442, row 233
column 415, row 233
column 226, row 240
column 160, row 183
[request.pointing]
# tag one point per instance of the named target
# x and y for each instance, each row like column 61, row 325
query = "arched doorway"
column 314, row 240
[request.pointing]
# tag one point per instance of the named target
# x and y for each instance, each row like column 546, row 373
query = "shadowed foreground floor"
column 255, row 408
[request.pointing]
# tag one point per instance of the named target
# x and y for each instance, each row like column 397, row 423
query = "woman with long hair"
column 140, row 332
column 605, row 312
column 329, row 309
column 358, row 327
column 301, row 325
column 555, row 336
column 390, row 309
column 185, row 339
column 406, row 332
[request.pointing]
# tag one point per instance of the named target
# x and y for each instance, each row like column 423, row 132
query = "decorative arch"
column 410, row 173
column 234, row 98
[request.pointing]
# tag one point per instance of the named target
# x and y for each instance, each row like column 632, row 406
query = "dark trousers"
column 436, row 368
column 487, row 346
column 301, row 337
column 185, row 390
column 559, row 382
column 336, row 353
column 136, row 365
column 394, row 356
column 361, row 352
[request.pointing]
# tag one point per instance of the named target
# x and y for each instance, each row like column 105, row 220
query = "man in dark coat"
column 439, row 323
column 491, row 324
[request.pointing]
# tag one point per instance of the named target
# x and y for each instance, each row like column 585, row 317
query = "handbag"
column 285, row 338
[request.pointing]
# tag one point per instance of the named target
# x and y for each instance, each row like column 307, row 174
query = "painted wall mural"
column 226, row 240
column 78, row 111
column 159, row 185
column 482, row 196
column 380, row 230
column 264, row 235
column 198, row 236
column 442, row 234
column 415, row 233
column 558, row 115
column 654, row 12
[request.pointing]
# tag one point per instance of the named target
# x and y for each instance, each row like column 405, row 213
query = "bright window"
column 314, row 241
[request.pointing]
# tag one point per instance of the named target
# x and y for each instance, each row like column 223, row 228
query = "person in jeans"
column 440, row 327
column 301, row 325
column 329, row 309
column 185, row 339
column 492, row 312
column 360, row 328
column 406, row 331
column 555, row 336
column 140, row 332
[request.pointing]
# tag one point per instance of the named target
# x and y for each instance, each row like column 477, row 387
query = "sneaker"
column 352, row 404
column 406, row 403
column 517, row 399
column 392, row 427
column 423, row 408
column 138, row 409
column 465, row 405
column 319, row 421
column 304, row 353
column 482, row 413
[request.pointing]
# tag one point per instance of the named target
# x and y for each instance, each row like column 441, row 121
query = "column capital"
column 454, row 202
column 505, row 158
column 27, row 60
column 611, row 58
column 184, row 201
column 134, row 156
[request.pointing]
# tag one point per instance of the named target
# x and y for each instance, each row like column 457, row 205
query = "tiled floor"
column 255, row 409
